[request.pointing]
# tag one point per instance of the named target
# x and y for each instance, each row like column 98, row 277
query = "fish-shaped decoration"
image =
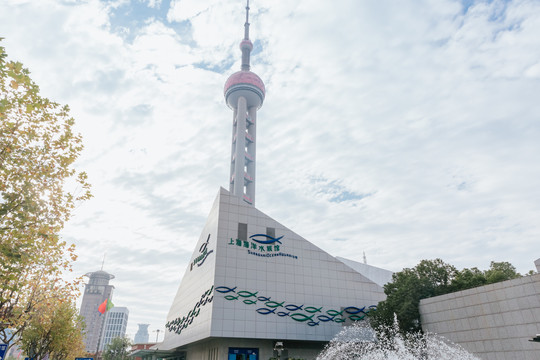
column 265, row 239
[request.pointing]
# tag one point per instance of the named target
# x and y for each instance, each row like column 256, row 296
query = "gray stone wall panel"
column 494, row 322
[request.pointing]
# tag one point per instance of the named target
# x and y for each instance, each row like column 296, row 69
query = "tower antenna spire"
column 246, row 46
column 246, row 25
column 103, row 261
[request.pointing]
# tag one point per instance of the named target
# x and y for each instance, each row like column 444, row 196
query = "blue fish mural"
column 265, row 239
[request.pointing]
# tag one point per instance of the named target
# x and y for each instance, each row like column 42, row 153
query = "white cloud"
column 153, row 3
column 431, row 110
column 181, row 10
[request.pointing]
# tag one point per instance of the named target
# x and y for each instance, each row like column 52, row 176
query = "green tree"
column 117, row 349
column 37, row 152
column 54, row 330
column 501, row 271
column 408, row 287
column 430, row 278
column 497, row 272
column 468, row 278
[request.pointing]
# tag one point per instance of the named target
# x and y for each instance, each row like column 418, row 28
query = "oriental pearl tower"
column 244, row 94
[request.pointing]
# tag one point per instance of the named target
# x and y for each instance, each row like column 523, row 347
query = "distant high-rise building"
column 115, row 325
column 142, row 336
column 95, row 293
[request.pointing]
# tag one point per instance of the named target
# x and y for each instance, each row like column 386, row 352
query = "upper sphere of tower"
column 246, row 43
column 247, row 84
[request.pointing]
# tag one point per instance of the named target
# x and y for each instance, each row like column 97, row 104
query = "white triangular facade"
column 267, row 283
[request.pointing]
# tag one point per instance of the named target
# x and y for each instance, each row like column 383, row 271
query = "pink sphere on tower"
column 246, row 84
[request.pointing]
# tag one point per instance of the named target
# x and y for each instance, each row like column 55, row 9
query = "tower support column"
column 238, row 168
column 251, row 153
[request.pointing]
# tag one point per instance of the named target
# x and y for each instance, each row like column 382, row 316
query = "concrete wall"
column 494, row 321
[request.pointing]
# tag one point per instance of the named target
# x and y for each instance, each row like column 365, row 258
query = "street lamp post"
column 157, row 334
column 278, row 347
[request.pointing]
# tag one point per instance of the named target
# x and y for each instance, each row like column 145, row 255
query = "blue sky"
column 407, row 131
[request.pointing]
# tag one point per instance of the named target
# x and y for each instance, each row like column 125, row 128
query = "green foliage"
column 37, row 152
column 497, row 272
column 431, row 278
column 468, row 278
column 500, row 271
column 117, row 349
column 56, row 330
column 408, row 287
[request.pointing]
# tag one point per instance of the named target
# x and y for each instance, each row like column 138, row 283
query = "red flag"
column 103, row 307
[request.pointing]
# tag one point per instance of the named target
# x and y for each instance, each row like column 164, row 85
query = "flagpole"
column 100, row 335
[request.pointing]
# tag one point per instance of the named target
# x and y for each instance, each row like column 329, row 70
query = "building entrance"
column 243, row 354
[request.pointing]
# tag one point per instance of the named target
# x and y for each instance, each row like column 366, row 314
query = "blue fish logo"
column 325, row 318
column 265, row 239
column 224, row 289
column 265, row 311
column 292, row 307
column 353, row 310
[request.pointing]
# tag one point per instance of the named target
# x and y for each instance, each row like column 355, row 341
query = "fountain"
column 360, row 342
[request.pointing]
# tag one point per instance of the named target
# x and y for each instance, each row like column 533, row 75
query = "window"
column 242, row 231
column 271, row 232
